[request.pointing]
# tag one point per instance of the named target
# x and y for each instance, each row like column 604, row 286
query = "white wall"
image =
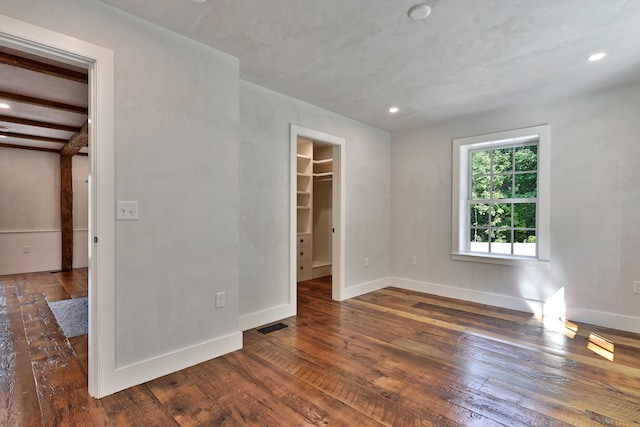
column 595, row 210
column 264, row 190
column 176, row 143
column 30, row 211
column 80, row 168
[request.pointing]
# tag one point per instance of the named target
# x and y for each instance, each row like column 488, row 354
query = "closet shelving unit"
column 314, row 196
column 304, row 197
column 322, row 209
column 323, row 170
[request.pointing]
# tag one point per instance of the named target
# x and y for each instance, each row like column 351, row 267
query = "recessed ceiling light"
column 393, row 110
column 3, row 136
column 419, row 11
column 597, row 56
column 5, row 106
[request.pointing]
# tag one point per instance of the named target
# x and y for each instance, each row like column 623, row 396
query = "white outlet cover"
column 126, row 211
column 220, row 299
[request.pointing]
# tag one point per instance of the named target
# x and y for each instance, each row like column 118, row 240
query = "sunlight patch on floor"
column 601, row 346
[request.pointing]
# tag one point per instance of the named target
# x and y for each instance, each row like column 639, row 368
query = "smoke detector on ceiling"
column 419, row 12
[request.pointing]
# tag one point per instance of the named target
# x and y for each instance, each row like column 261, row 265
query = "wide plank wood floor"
column 388, row 358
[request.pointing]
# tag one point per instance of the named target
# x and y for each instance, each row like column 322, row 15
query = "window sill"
column 489, row 259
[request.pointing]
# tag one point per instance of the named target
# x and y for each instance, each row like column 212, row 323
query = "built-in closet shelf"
column 304, row 207
column 304, row 192
column 317, row 263
column 322, row 162
column 303, row 157
column 324, row 176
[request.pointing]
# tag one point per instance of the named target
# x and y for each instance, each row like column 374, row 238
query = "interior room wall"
column 30, row 211
column 176, row 153
column 264, row 197
column 80, row 169
column 595, row 210
column 322, row 221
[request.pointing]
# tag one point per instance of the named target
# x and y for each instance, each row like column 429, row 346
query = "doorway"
column 33, row 40
column 329, row 224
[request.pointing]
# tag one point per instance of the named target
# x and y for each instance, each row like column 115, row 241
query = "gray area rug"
column 72, row 315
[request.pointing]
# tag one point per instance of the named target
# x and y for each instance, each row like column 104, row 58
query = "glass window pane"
column 501, row 242
column 525, row 243
column 502, row 186
column 527, row 158
column 479, row 240
column 480, row 162
column 524, row 215
column 479, row 215
column 502, row 160
column 501, row 215
column 480, row 188
column 526, row 185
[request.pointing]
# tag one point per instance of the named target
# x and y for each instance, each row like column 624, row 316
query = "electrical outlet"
column 636, row 287
column 366, row 261
column 414, row 260
column 220, row 299
column 26, row 249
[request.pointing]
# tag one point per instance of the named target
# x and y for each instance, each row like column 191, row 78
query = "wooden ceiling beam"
column 77, row 142
column 37, row 123
column 44, row 68
column 24, row 147
column 43, row 103
column 34, row 137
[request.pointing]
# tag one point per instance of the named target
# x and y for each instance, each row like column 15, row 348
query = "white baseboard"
column 513, row 303
column 600, row 318
column 253, row 320
column 609, row 320
column 147, row 370
column 321, row 271
column 364, row 288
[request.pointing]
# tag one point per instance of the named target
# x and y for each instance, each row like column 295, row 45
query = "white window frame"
column 460, row 188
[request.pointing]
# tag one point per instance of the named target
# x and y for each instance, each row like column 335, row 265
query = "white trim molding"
column 365, row 288
column 503, row 301
column 339, row 191
column 601, row 318
column 140, row 372
column 461, row 148
column 99, row 61
column 253, row 320
column 579, row 315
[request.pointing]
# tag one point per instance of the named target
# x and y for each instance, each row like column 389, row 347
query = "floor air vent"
column 274, row 327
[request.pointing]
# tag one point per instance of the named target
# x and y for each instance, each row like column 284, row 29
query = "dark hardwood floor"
column 392, row 357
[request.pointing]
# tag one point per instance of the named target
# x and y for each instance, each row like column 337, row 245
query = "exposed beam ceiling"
column 48, row 103
column 33, row 137
column 36, row 123
column 77, row 142
column 41, row 67
column 43, row 102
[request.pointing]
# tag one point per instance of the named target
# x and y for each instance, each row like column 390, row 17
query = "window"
column 500, row 200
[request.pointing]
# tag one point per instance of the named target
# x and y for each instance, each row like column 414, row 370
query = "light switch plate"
column 126, row 211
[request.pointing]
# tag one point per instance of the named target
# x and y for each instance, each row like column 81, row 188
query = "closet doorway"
column 317, row 208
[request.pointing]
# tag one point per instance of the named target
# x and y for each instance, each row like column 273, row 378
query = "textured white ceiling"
column 357, row 57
